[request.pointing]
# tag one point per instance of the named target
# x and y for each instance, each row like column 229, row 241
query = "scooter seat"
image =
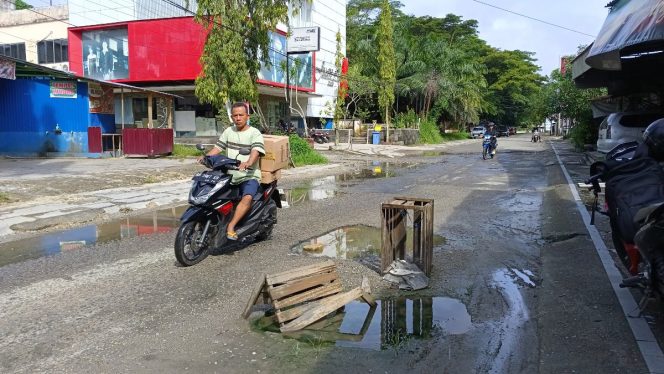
column 644, row 213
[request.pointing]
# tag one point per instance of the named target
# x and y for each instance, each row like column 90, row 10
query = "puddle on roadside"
column 160, row 221
column 391, row 324
column 509, row 328
column 359, row 242
column 433, row 153
column 327, row 187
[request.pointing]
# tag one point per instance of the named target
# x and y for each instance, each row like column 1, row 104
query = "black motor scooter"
column 212, row 201
column 635, row 206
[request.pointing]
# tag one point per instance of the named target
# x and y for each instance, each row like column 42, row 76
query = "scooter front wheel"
column 190, row 248
column 484, row 153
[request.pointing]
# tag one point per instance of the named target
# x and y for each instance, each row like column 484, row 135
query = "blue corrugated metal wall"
column 105, row 121
column 28, row 116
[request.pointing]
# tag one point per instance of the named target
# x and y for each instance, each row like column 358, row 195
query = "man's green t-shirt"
column 232, row 140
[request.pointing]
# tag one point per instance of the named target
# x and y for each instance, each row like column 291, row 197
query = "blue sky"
column 509, row 31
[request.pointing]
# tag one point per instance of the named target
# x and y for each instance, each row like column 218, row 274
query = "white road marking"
column 650, row 350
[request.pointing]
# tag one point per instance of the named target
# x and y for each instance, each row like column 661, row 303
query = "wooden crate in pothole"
column 304, row 295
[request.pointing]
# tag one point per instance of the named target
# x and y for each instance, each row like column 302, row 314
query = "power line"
column 534, row 19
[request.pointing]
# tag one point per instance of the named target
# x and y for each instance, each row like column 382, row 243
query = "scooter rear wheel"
column 187, row 251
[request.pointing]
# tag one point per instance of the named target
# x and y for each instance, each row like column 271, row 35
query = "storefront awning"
column 632, row 29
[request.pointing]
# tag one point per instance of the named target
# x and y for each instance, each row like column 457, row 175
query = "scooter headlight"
column 202, row 196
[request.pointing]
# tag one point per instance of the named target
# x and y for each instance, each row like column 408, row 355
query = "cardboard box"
column 270, row 176
column 276, row 153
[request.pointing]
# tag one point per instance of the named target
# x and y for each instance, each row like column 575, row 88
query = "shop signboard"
column 63, row 89
column 304, row 39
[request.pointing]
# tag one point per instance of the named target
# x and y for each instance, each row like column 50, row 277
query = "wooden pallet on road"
column 304, row 295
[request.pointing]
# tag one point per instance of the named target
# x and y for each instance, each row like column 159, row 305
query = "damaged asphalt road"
column 516, row 259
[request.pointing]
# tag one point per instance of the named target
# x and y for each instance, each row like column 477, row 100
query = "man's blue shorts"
column 249, row 187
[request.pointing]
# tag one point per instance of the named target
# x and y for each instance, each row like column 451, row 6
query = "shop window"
column 16, row 50
column 52, row 51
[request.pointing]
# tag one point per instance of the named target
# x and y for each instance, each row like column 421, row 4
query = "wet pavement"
column 515, row 287
column 52, row 244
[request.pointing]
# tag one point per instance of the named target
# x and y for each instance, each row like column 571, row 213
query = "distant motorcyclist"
column 536, row 135
column 491, row 131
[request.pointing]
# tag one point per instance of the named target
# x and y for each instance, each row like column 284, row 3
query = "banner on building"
column 301, row 65
column 101, row 98
column 63, row 89
column 7, row 69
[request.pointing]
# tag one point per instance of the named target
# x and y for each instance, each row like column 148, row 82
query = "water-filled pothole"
column 54, row 243
column 360, row 243
column 389, row 325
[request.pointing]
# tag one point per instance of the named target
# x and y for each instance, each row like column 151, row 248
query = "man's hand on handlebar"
column 243, row 166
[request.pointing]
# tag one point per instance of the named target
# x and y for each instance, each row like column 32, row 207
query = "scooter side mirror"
column 245, row 151
column 200, row 147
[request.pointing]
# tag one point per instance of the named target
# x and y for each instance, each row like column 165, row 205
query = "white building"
column 329, row 15
column 37, row 35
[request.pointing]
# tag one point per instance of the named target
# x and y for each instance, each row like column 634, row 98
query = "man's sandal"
column 231, row 235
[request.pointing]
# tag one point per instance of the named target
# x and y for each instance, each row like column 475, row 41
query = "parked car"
column 623, row 127
column 477, row 132
column 502, row 131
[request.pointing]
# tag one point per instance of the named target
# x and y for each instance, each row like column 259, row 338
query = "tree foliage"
column 237, row 42
column 386, row 60
column 20, row 4
column 445, row 72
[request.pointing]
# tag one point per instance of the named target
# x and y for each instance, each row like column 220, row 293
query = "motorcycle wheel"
column 319, row 140
column 187, row 252
column 272, row 219
column 484, row 153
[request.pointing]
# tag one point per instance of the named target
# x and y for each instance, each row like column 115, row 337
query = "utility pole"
column 288, row 93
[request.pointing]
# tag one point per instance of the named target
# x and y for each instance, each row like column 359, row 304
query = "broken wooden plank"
column 300, row 272
column 301, row 284
column 368, row 299
column 321, row 309
column 284, row 316
column 313, row 294
column 254, row 296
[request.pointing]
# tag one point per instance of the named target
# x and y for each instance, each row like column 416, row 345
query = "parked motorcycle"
column 320, row 137
column 634, row 197
column 212, row 201
column 489, row 146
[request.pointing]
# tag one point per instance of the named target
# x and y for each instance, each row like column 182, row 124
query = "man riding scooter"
column 234, row 138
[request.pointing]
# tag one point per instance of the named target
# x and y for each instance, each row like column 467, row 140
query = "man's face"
column 240, row 116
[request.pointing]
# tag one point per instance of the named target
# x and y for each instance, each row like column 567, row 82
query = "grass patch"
column 429, row 133
column 4, row 198
column 150, row 179
column 303, row 154
column 183, row 150
column 461, row 135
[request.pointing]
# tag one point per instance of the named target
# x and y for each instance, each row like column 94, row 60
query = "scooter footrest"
column 637, row 281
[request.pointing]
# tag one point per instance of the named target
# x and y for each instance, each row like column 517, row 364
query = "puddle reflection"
column 391, row 324
column 160, row 221
column 360, row 243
